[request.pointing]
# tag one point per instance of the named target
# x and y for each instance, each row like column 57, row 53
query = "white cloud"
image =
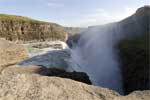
column 102, row 16
column 98, row 13
column 55, row 4
column 97, row 17
column 130, row 10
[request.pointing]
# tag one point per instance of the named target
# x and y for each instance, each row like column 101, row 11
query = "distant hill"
column 18, row 28
column 74, row 30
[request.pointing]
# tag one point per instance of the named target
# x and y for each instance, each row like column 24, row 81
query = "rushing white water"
column 47, row 47
column 95, row 54
column 50, row 54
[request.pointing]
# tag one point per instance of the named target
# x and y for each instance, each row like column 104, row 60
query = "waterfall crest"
column 95, row 54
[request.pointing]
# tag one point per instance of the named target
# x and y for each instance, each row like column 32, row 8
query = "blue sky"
column 73, row 12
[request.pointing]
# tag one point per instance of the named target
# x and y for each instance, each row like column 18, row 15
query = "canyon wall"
column 131, row 39
column 16, row 28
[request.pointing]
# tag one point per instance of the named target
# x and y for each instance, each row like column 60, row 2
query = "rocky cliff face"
column 22, row 28
column 135, row 59
column 134, row 49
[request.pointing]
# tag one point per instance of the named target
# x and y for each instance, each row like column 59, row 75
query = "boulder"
column 11, row 53
column 137, row 95
column 16, row 69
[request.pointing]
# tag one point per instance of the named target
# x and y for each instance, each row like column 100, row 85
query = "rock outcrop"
column 41, row 70
column 36, row 87
column 11, row 53
column 17, row 28
column 137, row 95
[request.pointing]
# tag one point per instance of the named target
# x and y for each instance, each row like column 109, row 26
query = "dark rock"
column 72, row 41
column 134, row 51
column 77, row 76
column 135, row 58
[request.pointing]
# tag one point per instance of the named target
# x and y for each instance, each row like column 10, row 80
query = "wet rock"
column 134, row 55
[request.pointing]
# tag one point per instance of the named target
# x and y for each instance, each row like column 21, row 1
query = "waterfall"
column 96, row 55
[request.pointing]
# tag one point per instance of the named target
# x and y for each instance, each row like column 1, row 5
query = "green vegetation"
column 5, row 17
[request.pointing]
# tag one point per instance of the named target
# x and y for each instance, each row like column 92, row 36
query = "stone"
column 11, row 53
column 41, row 70
column 36, row 87
column 137, row 95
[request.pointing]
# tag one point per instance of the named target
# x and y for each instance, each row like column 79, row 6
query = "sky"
column 75, row 13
